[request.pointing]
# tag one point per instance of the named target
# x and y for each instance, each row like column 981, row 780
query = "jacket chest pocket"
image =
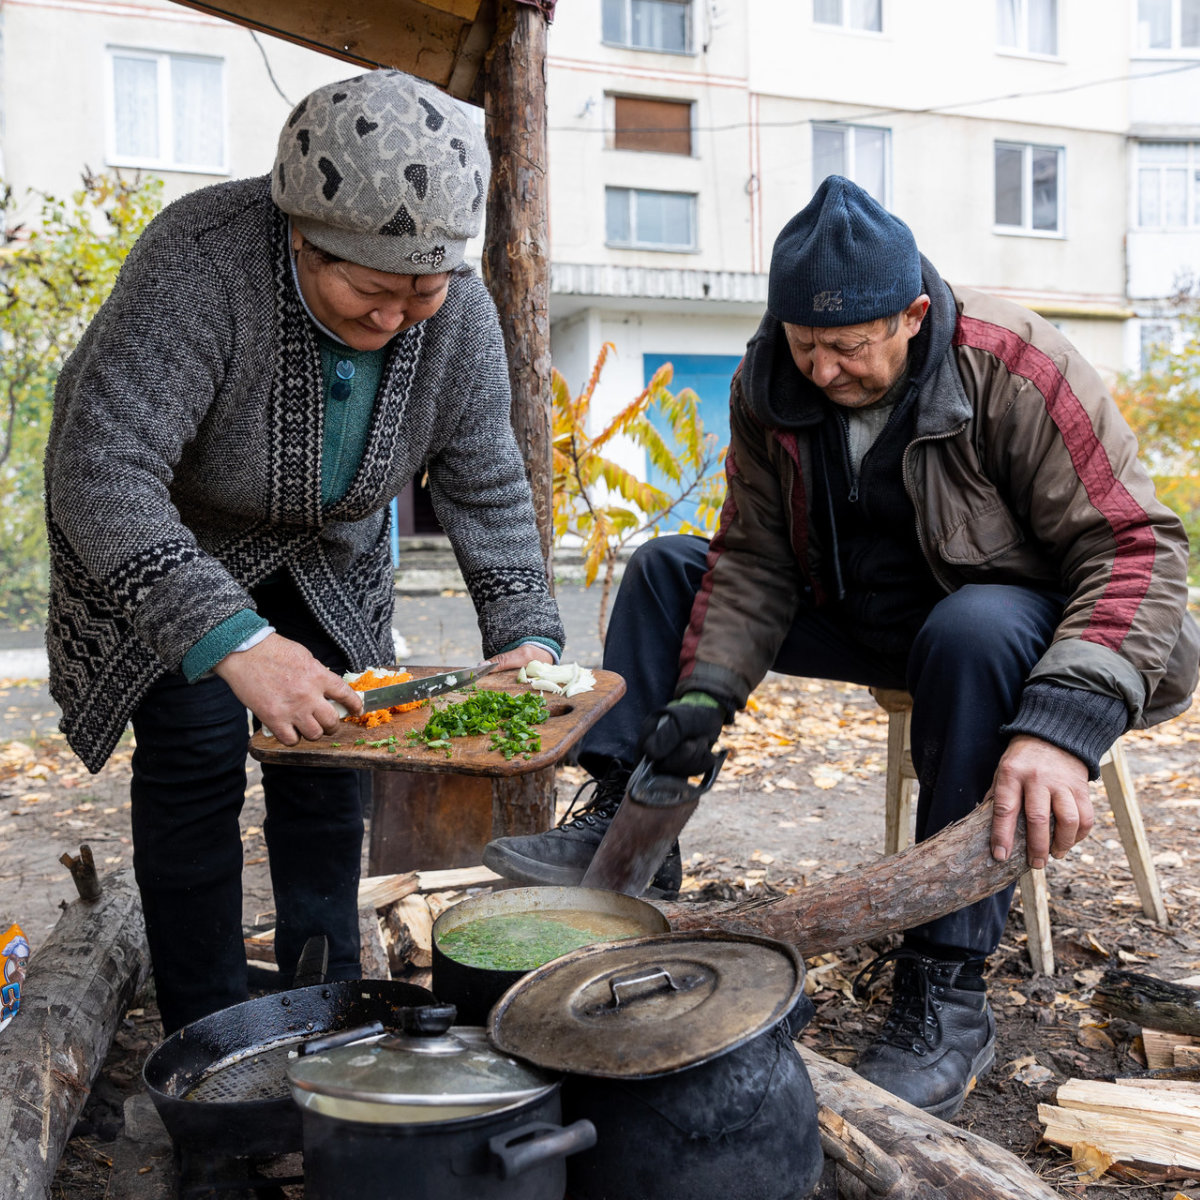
column 980, row 536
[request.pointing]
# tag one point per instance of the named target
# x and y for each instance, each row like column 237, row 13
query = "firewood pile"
column 1153, row 1119
column 396, row 916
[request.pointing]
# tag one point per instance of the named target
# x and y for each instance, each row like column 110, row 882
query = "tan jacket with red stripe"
column 1022, row 471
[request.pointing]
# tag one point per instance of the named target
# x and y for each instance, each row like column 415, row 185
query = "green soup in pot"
column 523, row 941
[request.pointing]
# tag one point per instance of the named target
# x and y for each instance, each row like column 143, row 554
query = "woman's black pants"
column 966, row 670
column 189, row 782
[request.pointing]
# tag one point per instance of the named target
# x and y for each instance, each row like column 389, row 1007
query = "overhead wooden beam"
column 442, row 41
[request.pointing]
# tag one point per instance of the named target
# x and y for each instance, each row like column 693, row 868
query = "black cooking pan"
column 220, row 1083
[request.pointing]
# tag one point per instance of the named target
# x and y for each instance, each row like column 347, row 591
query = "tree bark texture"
column 80, row 984
column 952, row 869
column 887, row 1149
column 516, row 269
column 1147, row 1000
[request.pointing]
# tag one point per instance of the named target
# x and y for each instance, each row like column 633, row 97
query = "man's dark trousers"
column 965, row 671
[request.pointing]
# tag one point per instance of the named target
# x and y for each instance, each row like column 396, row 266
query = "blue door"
column 708, row 375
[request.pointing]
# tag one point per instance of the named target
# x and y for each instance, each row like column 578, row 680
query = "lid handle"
column 658, row 978
column 427, row 1020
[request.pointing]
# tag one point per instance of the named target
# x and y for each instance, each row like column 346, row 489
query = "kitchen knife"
column 654, row 810
column 419, row 689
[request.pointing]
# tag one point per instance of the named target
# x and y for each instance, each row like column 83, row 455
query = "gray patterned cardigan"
column 184, row 465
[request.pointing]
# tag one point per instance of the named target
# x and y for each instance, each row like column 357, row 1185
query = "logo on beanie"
column 428, row 258
column 827, row 302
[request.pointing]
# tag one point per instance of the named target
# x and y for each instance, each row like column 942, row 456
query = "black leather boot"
column 560, row 856
column 938, row 1038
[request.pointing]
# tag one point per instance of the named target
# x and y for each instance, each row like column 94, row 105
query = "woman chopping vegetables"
column 279, row 357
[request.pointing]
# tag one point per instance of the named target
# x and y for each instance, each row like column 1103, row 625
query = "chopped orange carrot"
column 377, row 679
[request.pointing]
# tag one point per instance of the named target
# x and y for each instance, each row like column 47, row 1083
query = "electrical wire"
column 267, row 63
column 884, row 112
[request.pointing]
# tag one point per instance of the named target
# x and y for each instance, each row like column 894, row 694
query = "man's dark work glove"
column 679, row 739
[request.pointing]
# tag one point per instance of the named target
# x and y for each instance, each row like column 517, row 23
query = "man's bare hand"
column 281, row 683
column 514, row 660
column 1041, row 780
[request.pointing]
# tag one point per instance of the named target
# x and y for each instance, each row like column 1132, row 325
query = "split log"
column 1133, row 1120
column 1167, row 1050
column 373, row 955
column 950, row 870
column 893, row 1151
column 457, row 878
column 80, row 984
column 408, row 935
column 378, row 891
column 1146, row 1000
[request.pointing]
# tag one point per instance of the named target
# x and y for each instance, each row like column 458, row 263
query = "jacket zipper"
column 908, row 487
column 851, row 472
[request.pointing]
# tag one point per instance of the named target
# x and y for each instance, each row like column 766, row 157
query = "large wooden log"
column 80, row 984
column 893, row 1151
column 950, row 870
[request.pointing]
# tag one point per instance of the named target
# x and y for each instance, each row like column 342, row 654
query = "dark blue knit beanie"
column 843, row 259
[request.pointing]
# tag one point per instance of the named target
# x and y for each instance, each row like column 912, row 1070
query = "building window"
column 650, row 220
column 1030, row 26
column 1029, row 187
column 649, row 24
column 167, row 111
column 1155, row 338
column 860, row 152
column 850, row 14
column 1168, row 25
column 1168, row 184
column 662, row 126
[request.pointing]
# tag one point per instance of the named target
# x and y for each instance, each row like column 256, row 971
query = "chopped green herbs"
column 508, row 718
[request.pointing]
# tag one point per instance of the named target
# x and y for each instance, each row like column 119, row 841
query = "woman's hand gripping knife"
column 287, row 689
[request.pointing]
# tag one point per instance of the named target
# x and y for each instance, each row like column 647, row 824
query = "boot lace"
column 913, row 1022
column 602, row 803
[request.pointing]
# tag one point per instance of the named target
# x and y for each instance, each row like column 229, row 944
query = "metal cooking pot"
column 432, row 1114
column 473, row 990
column 679, row 1050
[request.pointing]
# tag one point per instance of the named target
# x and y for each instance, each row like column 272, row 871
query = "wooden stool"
column 1035, row 901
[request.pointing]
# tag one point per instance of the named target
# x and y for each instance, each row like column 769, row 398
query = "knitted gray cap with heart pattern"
column 383, row 170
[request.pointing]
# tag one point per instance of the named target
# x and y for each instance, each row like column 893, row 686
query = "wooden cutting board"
column 569, row 720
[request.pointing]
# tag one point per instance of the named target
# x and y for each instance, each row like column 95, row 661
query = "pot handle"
column 344, row 1037
column 527, row 1146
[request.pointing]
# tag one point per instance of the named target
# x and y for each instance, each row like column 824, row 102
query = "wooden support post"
column 516, row 269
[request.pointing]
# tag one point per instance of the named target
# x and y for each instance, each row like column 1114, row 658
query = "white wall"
column 942, row 54
column 55, row 79
column 583, row 74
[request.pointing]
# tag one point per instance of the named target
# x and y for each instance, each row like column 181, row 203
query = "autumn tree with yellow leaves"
column 603, row 507
column 1162, row 405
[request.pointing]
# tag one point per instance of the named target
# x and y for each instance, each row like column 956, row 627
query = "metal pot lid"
column 648, row 1006
column 451, row 1067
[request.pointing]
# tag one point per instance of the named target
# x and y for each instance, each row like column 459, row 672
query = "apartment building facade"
column 1045, row 150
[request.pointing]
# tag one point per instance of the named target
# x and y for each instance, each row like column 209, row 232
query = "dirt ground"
column 801, row 798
